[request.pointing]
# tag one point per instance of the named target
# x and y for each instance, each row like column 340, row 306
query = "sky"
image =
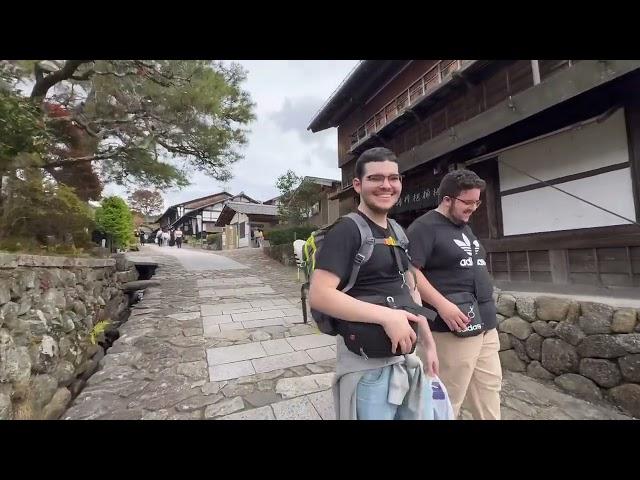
column 287, row 94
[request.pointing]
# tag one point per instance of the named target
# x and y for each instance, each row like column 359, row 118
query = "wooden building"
column 572, row 124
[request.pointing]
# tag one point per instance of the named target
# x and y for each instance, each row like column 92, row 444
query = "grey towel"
column 405, row 382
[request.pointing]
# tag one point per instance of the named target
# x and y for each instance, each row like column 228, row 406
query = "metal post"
column 303, row 300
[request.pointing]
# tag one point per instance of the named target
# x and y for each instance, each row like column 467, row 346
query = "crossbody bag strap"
column 474, row 266
column 403, row 242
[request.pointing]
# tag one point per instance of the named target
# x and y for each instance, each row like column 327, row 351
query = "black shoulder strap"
column 367, row 242
column 403, row 243
column 399, row 233
column 474, row 261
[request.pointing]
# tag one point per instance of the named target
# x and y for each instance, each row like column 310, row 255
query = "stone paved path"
column 223, row 338
column 194, row 260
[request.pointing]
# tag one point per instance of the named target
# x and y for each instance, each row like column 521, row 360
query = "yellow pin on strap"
column 390, row 241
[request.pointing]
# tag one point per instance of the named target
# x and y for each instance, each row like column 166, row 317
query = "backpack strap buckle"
column 359, row 258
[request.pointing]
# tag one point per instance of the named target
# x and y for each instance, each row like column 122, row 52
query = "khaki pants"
column 471, row 372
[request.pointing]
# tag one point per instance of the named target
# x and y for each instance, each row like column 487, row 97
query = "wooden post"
column 535, row 69
column 559, row 263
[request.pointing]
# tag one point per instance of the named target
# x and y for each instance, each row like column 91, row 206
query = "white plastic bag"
column 438, row 403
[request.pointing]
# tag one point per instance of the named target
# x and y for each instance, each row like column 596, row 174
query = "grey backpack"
column 327, row 324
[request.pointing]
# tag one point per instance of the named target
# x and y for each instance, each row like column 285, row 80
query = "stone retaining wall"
column 589, row 349
column 282, row 253
column 48, row 309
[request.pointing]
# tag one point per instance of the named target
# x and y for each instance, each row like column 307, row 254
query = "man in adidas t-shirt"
column 443, row 247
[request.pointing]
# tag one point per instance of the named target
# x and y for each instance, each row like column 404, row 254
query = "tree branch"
column 45, row 82
column 85, row 76
column 89, row 73
column 88, row 158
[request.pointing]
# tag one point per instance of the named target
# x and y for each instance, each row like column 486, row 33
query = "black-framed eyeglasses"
column 379, row 179
column 469, row 203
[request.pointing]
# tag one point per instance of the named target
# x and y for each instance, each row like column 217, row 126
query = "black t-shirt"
column 378, row 276
column 442, row 251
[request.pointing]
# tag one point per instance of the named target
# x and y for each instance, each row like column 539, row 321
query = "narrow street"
column 223, row 338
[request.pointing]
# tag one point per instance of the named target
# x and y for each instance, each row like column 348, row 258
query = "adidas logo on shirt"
column 466, row 245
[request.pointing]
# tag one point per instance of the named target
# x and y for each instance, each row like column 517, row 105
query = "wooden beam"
column 598, row 237
column 558, row 88
column 632, row 117
column 559, row 262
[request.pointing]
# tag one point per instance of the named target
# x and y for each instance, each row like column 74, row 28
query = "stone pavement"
column 223, row 338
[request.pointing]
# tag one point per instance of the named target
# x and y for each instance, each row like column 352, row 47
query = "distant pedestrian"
column 178, row 236
column 159, row 237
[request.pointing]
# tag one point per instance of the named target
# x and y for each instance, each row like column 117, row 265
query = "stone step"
column 226, row 363
column 314, row 406
column 226, row 282
column 235, row 292
column 139, row 285
column 292, row 387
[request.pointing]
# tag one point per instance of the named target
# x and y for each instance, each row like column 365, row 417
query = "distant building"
column 198, row 216
column 327, row 210
column 242, row 219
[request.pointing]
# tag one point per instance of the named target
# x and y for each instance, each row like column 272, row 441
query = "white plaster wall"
column 547, row 210
column 237, row 219
column 593, row 146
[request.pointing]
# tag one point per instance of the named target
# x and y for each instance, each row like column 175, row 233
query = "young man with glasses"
column 390, row 385
column 448, row 255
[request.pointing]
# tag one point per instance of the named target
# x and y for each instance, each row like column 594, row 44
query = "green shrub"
column 288, row 235
column 215, row 239
column 114, row 219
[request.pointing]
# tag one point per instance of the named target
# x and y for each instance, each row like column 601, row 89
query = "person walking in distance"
column 178, row 236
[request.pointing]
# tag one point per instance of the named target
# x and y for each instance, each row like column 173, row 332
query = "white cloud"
column 287, row 94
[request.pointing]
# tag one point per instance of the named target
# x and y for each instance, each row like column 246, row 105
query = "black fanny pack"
column 369, row 339
column 468, row 304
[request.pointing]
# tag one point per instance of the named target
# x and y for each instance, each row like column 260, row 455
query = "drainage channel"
column 108, row 332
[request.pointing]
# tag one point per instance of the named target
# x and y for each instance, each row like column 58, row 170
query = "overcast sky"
column 287, row 94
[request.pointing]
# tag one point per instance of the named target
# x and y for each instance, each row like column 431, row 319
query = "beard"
column 374, row 208
column 453, row 217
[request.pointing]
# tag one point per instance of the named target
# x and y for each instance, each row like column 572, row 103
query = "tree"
column 123, row 120
column 146, row 202
column 36, row 208
column 114, row 219
column 23, row 136
column 138, row 219
column 298, row 196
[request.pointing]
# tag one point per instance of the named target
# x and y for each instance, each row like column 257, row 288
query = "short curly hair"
column 458, row 181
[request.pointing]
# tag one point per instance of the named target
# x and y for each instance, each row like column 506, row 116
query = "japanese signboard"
column 416, row 198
